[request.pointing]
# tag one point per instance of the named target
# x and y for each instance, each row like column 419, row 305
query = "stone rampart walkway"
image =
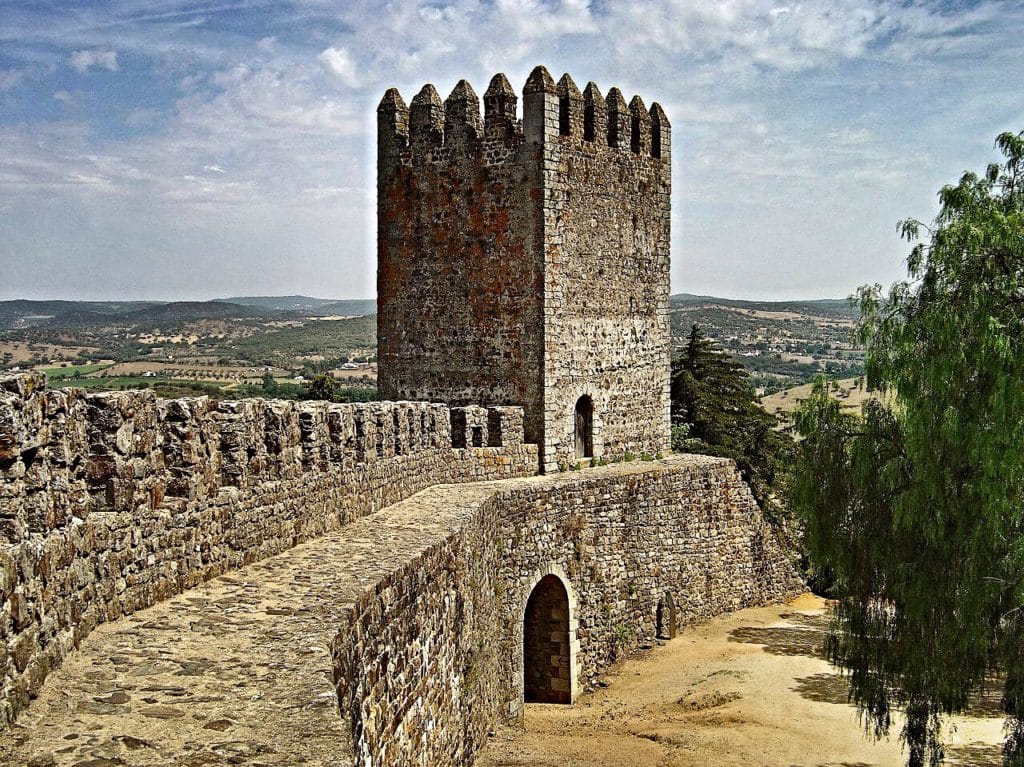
column 236, row 672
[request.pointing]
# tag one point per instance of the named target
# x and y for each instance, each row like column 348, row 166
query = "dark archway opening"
column 547, row 673
column 584, row 428
column 666, row 618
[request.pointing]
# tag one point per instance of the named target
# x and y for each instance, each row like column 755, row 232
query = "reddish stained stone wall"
column 459, row 274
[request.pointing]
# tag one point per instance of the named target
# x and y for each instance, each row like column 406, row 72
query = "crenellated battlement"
column 68, row 453
column 500, row 109
column 551, row 112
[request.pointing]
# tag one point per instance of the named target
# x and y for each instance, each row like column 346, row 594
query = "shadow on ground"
column 782, row 640
column 975, row 756
column 988, row 701
column 824, row 688
column 818, row 622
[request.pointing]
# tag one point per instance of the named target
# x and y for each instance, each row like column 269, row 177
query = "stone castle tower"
column 526, row 261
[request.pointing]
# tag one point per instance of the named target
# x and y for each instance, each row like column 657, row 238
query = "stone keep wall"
column 459, row 286
column 433, row 655
column 111, row 502
column 607, row 189
column 526, row 262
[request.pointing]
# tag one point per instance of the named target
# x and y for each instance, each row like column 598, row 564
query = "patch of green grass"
column 70, row 371
column 166, row 387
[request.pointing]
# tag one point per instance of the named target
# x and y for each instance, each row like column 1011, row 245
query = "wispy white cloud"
column 142, row 117
column 97, row 58
column 791, row 119
column 270, row 121
column 340, row 64
column 11, row 78
column 536, row 19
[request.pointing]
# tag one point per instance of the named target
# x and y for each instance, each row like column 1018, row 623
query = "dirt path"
column 746, row 689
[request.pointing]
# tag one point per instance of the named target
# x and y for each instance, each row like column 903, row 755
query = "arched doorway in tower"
column 547, row 660
column 584, row 427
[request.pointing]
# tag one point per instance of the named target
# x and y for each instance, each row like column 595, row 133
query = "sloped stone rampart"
column 415, row 612
column 433, row 654
column 111, row 502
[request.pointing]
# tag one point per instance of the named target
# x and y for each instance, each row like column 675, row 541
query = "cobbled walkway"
column 236, row 672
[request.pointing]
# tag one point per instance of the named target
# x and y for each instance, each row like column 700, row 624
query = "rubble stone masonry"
column 526, row 261
column 111, row 502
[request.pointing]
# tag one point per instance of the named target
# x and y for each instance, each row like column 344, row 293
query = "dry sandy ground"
column 784, row 403
column 22, row 351
column 745, row 689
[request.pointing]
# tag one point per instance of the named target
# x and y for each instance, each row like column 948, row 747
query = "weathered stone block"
column 100, row 468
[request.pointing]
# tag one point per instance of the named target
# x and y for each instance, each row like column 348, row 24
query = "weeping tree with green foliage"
column 917, row 505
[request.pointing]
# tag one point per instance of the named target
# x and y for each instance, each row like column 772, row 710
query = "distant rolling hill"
column 279, row 303
column 356, row 307
column 839, row 308
column 68, row 314
column 179, row 311
column 23, row 312
column 80, row 315
column 314, row 307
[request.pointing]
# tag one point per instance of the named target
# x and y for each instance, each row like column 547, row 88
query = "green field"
column 165, row 387
column 71, row 371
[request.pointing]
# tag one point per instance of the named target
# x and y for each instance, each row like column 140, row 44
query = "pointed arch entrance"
column 547, row 644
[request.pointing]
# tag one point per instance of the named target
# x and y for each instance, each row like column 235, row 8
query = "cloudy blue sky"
column 169, row 149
